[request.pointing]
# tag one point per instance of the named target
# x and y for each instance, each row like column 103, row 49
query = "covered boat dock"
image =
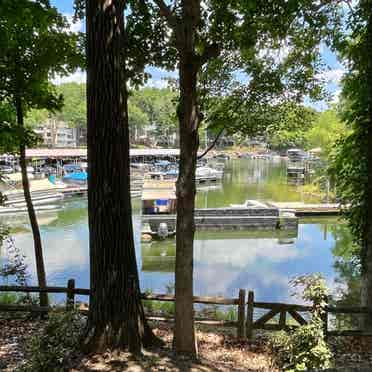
column 78, row 154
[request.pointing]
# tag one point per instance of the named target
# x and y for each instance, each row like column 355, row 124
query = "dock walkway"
column 303, row 209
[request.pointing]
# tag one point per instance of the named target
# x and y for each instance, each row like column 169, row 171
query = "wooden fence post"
column 70, row 295
column 241, row 315
column 282, row 318
column 250, row 308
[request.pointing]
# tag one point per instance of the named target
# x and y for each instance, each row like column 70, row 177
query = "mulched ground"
column 217, row 352
column 353, row 352
column 13, row 334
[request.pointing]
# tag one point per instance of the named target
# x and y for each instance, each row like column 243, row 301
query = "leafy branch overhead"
column 34, row 49
column 255, row 55
column 35, row 46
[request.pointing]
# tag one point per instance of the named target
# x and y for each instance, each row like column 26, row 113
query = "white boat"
column 203, row 172
column 36, row 200
column 202, row 175
column 249, row 204
column 38, row 209
column 276, row 158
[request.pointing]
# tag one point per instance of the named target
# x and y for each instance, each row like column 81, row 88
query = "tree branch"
column 350, row 6
column 167, row 13
column 213, row 144
column 211, row 51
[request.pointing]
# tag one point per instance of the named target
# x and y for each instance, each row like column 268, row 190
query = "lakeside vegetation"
column 152, row 121
column 244, row 72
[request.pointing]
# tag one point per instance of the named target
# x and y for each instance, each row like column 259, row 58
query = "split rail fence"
column 278, row 316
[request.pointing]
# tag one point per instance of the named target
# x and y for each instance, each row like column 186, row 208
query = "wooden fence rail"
column 71, row 291
column 277, row 317
column 268, row 321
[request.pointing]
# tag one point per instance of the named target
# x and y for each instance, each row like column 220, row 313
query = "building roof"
column 158, row 194
column 159, row 184
column 66, row 153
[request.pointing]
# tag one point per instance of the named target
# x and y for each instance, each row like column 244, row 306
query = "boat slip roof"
column 158, row 194
column 74, row 152
column 158, row 184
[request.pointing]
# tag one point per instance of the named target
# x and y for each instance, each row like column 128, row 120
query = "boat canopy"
column 163, row 163
column 73, row 168
column 76, row 176
column 163, row 194
column 159, row 184
column 158, row 201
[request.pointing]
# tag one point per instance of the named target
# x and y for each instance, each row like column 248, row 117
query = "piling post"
column 241, row 315
column 70, row 295
column 282, row 318
column 250, row 308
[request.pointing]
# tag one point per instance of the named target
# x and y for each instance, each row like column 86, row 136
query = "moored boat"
column 77, row 178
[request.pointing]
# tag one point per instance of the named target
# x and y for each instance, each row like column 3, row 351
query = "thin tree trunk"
column 188, row 115
column 40, row 267
column 116, row 317
column 213, row 144
column 367, row 267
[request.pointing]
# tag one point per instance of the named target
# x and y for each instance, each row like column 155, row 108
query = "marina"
column 224, row 260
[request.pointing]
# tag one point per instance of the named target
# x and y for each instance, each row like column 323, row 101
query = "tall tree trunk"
column 188, row 115
column 367, row 269
column 40, row 267
column 116, row 317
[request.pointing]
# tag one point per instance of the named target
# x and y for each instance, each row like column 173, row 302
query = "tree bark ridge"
column 367, row 265
column 116, row 317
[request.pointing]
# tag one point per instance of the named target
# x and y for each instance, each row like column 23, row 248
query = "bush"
column 8, row 298
column 15, row 268
column 49, row 350
column 302, row 349
column 305, row 347
column 218, row 312
column 160, row 307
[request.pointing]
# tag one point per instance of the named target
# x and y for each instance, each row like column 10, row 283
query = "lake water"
column 224, row 261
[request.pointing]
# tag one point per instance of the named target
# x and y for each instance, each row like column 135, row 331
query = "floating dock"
column 218, row 219
column 302, row 209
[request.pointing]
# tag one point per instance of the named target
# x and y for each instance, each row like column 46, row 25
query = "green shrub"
column 305, row 347
column 8, row 298
column 218, row 312
column 160, row 307
column 48, row 351
column 302, row 349
column 14, row 269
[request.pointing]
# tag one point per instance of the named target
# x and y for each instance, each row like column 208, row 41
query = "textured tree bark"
column 189, row 118
column 367, row 267
column 116, row 317
column 40, row 267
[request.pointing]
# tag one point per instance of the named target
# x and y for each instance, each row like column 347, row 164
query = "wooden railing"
column 245, row 324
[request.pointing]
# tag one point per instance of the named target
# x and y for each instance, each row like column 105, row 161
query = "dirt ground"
column 217, row 352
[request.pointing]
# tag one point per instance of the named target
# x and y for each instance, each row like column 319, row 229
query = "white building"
column 58, row 134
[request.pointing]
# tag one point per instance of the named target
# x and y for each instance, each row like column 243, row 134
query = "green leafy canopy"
column 35, row 46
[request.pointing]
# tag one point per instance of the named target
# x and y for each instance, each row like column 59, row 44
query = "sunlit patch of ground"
column 217, row 352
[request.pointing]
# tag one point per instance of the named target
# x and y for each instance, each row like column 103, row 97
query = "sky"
column 332, row 75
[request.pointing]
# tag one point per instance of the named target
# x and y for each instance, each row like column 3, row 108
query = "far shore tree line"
column 153, row 122
column 275, row 44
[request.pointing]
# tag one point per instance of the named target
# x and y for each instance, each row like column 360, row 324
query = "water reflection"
column 224, row 261
column 264, row 263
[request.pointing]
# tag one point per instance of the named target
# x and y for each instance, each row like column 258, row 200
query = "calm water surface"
column 224, row 261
